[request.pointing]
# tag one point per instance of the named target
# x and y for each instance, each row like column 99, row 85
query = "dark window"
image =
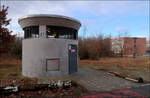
column 31, row 32
column 61, row 32
column 134, row 42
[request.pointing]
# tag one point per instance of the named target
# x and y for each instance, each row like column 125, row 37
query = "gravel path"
column 100, row 81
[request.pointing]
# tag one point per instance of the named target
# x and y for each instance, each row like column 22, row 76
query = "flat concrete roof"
column 49, row 15
column 49, row 19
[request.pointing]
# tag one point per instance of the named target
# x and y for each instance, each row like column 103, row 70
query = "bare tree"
column 5, row 35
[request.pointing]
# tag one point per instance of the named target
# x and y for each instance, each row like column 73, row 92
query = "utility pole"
column 0, row 5
column 84, row 32
column 134, row 52
column 149, row 45
column 0, row 11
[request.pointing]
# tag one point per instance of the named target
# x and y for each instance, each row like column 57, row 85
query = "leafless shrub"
column 95, row 47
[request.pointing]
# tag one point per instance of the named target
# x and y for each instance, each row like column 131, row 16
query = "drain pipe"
column 138, row 80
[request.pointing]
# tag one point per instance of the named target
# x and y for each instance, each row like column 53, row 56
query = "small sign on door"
column 73, row 50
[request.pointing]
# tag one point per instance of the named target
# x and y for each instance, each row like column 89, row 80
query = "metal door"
column 72, row 54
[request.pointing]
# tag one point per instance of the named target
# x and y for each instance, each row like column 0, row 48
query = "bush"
column 83, row 51
column 94, row 48
column 16, row 49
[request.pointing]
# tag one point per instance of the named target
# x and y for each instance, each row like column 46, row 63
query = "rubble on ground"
column 11, row 88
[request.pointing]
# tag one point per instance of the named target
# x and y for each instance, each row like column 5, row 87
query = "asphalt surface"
column 137, row 92
column 101, row 81
column 143, row 90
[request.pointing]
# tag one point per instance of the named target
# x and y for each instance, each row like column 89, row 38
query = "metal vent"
column 52, row 64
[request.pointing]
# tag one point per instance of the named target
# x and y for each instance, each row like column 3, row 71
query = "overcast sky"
column 97, row 17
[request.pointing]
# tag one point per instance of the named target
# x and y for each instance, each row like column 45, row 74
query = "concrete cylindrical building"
column 50, row 45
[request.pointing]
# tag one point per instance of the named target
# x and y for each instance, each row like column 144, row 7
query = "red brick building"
column 129, row 46
column 148, row 47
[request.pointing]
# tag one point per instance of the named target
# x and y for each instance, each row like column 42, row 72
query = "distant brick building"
column 129, row 46
column 148, row 47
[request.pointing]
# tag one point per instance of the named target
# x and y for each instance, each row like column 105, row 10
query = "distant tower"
column 50, row 47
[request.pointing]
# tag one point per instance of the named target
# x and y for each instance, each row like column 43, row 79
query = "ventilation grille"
column 52, row 64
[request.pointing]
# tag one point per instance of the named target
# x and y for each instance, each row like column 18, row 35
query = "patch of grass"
column 10, row 68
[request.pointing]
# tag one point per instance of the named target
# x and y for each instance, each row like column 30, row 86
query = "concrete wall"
column 42, row 31
column 37, row 50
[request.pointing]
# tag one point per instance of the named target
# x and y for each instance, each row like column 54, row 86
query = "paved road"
column 144, row 90
column 102, row 84
column 138, row 92
column 100, row 81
